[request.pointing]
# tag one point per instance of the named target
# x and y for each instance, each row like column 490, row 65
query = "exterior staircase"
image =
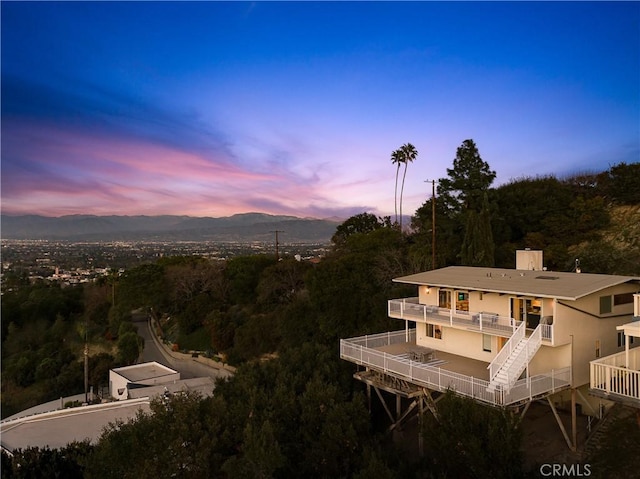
column 513, row 359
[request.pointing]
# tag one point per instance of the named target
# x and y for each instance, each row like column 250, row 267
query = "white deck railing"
column 506, row 351
column 609, row 374
column 491, row 323
column 357, row 351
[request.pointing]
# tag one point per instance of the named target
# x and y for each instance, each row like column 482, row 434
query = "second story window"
column 605, row 304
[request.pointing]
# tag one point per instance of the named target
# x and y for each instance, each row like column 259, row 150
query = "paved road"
column 154, row 352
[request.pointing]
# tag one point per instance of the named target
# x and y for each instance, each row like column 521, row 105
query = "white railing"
column 610, row 375
column 547, row 331
column 506, row 351
column 528, row 388
column 439, row 379
column 410, row 309
column 636, row 305
column 522, row 357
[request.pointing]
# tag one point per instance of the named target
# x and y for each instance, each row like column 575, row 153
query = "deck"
column 612, row 379
column 391, row 353
column 409, row 309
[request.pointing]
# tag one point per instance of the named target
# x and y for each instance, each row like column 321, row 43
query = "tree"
column 361, row 223
column 405, row 155
column 468, row 180
column 478, row 247
column 471, row 440
column 409, row 153
column 464, row 198
column 396, row 160
column 129, row 348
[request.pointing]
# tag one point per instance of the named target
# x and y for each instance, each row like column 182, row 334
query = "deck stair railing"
column 506, row 368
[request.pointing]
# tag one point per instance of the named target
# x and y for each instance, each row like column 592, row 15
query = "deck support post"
column 384, row 404
column 421, row 422
column 574, row 424
column 562, row 429
column 524, row 411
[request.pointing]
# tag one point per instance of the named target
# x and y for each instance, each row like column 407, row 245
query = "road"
column 154, row 352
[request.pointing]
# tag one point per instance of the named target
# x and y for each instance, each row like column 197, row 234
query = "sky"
column 217, row 108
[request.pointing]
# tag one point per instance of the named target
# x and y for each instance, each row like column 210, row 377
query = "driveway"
column 153, row 351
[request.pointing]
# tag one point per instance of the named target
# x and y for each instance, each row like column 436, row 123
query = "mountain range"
column 246, row 227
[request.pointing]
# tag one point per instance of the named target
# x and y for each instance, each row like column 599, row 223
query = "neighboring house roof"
column 144, row 371
column 56, row 429
column 549, row 284
column 203, row 386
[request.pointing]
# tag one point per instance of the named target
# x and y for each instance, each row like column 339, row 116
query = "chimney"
column 528, row 259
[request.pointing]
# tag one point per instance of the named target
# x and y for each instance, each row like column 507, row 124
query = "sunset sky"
column 216, row 108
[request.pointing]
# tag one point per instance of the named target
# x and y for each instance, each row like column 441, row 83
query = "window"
column 605, row 304
column 462, row 301
column 597, row 348
column 621, row 339
column 444, row 299
column 486, row 343
column 433, row 331
column 624, row 298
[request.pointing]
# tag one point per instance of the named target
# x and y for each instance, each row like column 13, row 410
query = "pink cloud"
column 52, row 171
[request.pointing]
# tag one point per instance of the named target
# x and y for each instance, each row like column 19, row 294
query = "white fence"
column 410, row 309
column 360, row 351
column 610, row 376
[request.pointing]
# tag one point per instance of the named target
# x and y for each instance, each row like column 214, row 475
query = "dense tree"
column 471, row 440
column 467, row 181
column 243, row 274
column 362, row 223
column 621, row 183
column 130, row 346
column 35, row 463
column 478, row 247
column 144, row 287
column 175, row 439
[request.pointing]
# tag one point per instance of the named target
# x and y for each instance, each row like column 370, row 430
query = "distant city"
column 70, row 262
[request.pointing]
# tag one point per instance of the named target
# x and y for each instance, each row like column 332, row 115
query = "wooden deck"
column 447, row 361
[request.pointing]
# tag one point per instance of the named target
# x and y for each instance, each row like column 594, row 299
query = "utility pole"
column 277, row 252
column 86, row 364
column 433, row 223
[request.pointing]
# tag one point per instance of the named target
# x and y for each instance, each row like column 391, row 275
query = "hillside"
column 241, row 227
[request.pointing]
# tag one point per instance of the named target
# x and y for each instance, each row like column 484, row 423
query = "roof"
column 203, row 386
column 144, row 371
column 630, row 329
column 549, row 284
column 58, row 428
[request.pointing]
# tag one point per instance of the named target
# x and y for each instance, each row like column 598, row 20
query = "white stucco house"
column 504, row 337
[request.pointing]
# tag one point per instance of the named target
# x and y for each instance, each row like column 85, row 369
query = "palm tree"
column 396, row 159
column 407, row 154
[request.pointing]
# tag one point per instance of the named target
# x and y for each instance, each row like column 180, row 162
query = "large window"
column 444, row 299
column 462, row 301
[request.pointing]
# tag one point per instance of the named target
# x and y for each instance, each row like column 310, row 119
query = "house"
column 617, row 377
column 122, row 380
column 504, row 337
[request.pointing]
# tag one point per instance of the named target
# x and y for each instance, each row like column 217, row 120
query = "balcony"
column 390, row 353
column 489, row 323
column 612, row 380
